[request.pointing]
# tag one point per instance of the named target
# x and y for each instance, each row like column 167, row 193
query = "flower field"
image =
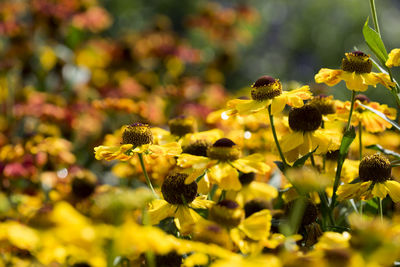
column 147, row 133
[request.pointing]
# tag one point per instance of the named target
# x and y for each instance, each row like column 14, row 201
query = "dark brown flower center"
column 137, row 134
column 197, row 148
column 176, row 192
column 254, row 206
column 246, row 178
column 306, row 119
column 324, row 104
column 375, row 168
column 266, row 88
column 357, row 62
column 182, row 125
column 223, row 149
column 227, row 213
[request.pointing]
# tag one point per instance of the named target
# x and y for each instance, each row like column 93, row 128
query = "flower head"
column 356, row 72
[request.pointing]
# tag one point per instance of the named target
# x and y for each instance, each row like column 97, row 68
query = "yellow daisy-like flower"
column 137, row 138
column 394, row 58
column 356, row 72
column 179, row 201
column 223, row 163
column 268, row 91
column 372, row 122
column 252, row 189
column 375, row 175
column 306, row 135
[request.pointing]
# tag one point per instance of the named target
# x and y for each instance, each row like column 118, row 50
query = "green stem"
column 360, row 138
column 312, row 160
column 353, row 98
column 374, row 16
column 146, row 174
column 150, row 257
column 341, row 157
column 380, row 209
column 271, row 120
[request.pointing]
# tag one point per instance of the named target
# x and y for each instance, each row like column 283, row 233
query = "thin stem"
column 353, row 97
column 374, row 16
column 361, row 207
column 341, row 157
column 271, row 120
column 380, row 209
column 146, row 174
column 360, row 138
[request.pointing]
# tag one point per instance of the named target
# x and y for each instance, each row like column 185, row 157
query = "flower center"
column 246, row 178
column 357, row 62
column 266, row 88
column 83, row 187
column 254, row 205
column 182, row 125
column 375, row 168
column 223, row 149
column 137, row 134
column 306, row 119
column 212, row 234
column 197, row 148
column 332, row 155
column 171, row 259
column 324, row 104
column 176, row 192
column 227, row 213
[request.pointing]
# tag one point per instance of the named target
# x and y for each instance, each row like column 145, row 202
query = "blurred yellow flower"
column 394, row 58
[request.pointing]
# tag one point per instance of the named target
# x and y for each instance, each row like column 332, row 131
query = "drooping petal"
column 291, row 141
column 278, row 103
column 251, row 163
column 257, row 225
column 394, row 190
column 185, row 219
column 197, row 162
column 394, row 58
column 328, row 76
column 246, row 107
column 112, row 152
column 201, row 203
column 380, row 190
column 159, row 210
column 226, row 176
column 170, row 149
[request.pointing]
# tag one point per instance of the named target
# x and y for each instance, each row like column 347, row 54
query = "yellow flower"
column 268, row 91
column 306, row 135
column 372, row 122
column 375, row 175
column 223, row 163
column 394, row 58
column 179, row 201
column 137, row 138
column 356, row 72
column 251, row 233
column 252, row 189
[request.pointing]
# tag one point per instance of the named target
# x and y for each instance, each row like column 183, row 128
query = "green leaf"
column 280, row 165
column 383, row 116
column 348, row 138
column 384, row 150
column 375, row 43
column 301, row 161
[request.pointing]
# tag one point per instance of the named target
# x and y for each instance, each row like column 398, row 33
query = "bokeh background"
column 77, row 70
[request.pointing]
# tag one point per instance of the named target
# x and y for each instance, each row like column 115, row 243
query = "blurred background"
column 76, row 70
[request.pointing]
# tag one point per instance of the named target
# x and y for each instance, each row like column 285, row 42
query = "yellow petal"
column 380, row 190
column 257, row 225
column 394, row 58
column 225, row 176
column 328, row 76
column 112, row 152
column 394, row 190
column 170, row 149
column 201, row 203
column 188, row 160
column 185, row 219
column 291, row 141
column 251, row 163
column 278, row 103
column 246, row 107
column 159, row 210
